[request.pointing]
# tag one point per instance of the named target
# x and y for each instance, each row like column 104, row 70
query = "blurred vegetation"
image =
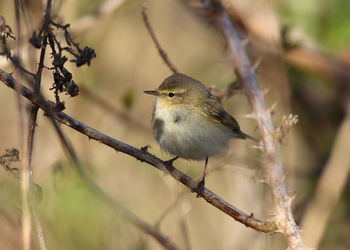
column 126, row 64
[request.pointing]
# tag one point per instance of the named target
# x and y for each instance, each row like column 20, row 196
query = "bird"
column 189, row 122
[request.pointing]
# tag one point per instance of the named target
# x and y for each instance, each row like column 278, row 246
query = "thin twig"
column 161, row 51
column 330, row 186
column 32, row 128
column 275, row 174
column 144, row 156
column 143, row 226
column 139, row 223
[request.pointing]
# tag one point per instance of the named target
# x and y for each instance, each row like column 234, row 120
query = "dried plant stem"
column 39, row 230
column 26, row 208
column 139, row 223
column 143, row 155
column 25, row 177
column 275, row 173
column 329, row 187
column 161, row 51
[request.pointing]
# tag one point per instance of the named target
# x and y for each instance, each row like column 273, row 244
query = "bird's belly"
column 192, row 137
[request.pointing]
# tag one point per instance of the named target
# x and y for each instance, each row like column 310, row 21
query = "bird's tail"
column 245, row 136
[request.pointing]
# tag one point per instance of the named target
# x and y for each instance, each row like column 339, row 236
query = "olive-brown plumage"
column 189, row 122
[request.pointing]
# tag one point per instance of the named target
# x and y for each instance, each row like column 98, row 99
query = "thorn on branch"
column 249, row 116
column 145, row 148
column 245, row 41
column 256, row 65
column 36, row 40
column 271, row 110
column 266, row 91
column 259, row 146
column 292, row 196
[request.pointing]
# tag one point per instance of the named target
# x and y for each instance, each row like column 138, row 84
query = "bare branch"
column 161, row 51
column 27, row 169
column 284, row 217
column 144, row 156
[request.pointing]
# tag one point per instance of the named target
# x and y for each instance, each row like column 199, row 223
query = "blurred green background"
column 305, row 51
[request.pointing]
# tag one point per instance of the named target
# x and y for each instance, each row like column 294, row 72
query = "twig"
column 144, row 156
column 329, row 187
column 39, row 230
column 32, row 127
column 161, row 51
column 142, row 225
column 275, row 174
column 295, row 53
column 43, row 35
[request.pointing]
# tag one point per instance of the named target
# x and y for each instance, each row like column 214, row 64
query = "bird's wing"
column 214, row 111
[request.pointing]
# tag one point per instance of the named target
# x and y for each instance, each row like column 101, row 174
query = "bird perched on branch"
column 190, row 123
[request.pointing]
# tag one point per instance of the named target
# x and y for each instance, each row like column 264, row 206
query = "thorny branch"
column 144, row 156
column 284, row 217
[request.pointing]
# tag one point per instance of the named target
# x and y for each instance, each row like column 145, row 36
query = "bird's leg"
column 170, row 162
column 201, row 184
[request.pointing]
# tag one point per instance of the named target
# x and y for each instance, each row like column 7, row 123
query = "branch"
column 29, row 212
column 284, row 217
column 35, row 81
column 330, row 186
column 295, row 53
column 143, row 156
column 161, row 51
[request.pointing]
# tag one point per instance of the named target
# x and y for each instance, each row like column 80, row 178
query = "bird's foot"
column 200, row 188
column 169, row 163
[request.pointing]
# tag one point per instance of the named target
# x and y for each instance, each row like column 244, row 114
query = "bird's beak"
column 152, row 92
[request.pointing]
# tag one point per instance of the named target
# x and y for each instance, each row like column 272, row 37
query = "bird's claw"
column 169, row 163
column 200, row 189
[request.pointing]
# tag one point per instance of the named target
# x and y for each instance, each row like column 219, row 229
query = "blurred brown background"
column 304, row 47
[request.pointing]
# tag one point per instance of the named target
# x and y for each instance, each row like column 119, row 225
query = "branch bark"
column 275, row 174
column 143, row 156
column 27, row 170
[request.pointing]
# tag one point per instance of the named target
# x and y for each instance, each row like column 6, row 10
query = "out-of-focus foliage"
column 326, row 20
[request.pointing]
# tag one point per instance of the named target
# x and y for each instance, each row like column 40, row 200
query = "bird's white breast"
column 186, row 133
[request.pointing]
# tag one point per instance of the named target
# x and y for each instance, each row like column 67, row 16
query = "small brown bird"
column 189, row 122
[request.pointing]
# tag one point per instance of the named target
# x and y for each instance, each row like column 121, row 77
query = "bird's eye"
column 171, row 94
